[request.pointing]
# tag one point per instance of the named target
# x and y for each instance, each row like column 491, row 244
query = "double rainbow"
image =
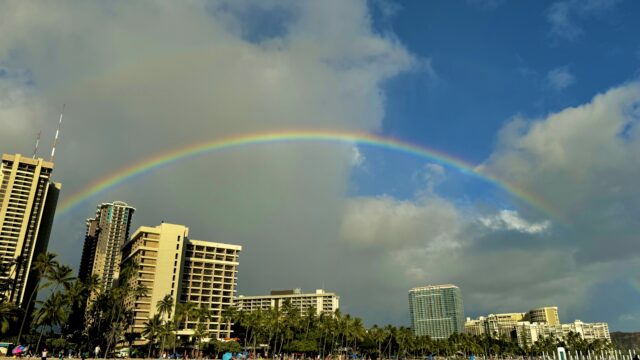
column 150, row 164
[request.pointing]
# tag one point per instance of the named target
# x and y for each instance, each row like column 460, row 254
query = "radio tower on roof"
column 35, row 149
column 55, row 140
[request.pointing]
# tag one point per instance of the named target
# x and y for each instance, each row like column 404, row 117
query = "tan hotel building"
column 201, row 272
column 28, row 200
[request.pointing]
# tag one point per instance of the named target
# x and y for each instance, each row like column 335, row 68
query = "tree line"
column 287, row 330
column 77, row 315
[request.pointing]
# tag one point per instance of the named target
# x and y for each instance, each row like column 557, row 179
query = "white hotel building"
column 321, row 301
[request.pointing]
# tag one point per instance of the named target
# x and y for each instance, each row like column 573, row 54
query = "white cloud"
column 560, row 78
column 151, row 76
column 584, row 156
column 563, row 25
column 582, row 162
column 564, row 16
column 511, row 220
column 428, row 178
column 357, row 157
column 388, row 8
column 426, row 65
column 486, row 4
column 388, row 222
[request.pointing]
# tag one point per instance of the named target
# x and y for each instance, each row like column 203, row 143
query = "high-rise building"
column 28, row 200
column 320, row 301
column 547, row 315
column 169, row 263
column 436, row 310
column 106, row 234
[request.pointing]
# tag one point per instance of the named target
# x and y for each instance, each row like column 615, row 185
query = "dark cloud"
column 147, row 77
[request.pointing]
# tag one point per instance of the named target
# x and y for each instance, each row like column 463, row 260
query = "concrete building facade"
column 28, row 200
column 169, row 263
column 545, row 315
column 519, row 326
column 528, row 333
column 320, row 301
column 106, row 234
column 436, row 311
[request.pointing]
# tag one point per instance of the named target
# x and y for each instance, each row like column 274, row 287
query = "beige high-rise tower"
column 196, row 271
column 28, row 200
column 106, row 234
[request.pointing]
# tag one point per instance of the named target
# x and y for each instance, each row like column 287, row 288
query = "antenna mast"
column 35, row 150
column 55, row 140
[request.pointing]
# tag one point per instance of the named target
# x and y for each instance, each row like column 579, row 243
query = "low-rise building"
column 533, row 325
column 320, row 300
column 528, row 333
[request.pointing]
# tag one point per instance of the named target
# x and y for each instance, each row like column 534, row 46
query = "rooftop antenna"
column 35, row 150
column 55, row 140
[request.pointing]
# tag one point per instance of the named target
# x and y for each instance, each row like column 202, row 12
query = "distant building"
column 528, row 333
column 320, row 301
column 546, row 315
column 475, row 327
column 106, row 234
column 546, row 323
column 436, row 311
column 28, row 200
column 169, row 263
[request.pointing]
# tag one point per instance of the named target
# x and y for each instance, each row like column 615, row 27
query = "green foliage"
column 274, row 331
column 59, row 343
column 9, row 314
column 226, row 346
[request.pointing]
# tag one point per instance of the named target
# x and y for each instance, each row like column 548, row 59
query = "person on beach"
column 44, row 354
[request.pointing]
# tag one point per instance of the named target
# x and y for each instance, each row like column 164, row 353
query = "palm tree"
column 76, row 293
column 151, row 330
column 377, row 336
column 200, row 314
column 52, row 312
column 183, row 311
column 404, row 337
column 199, row 333
column 8, row 314
column 163, row 307
column 61, row 276
column 76, row 296
column 44, row 266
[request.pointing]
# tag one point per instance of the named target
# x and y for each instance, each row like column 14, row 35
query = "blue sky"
column 486, row 61
column 543, row 95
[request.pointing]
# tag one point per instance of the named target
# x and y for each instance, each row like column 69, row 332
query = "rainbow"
column 148, row 165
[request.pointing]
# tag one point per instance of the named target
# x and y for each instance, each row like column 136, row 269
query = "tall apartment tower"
column 106, row 234
column 28, row 200
column 436, row 311
column 197, row 271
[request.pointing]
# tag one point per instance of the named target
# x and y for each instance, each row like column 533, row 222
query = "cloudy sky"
column 543, row 95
